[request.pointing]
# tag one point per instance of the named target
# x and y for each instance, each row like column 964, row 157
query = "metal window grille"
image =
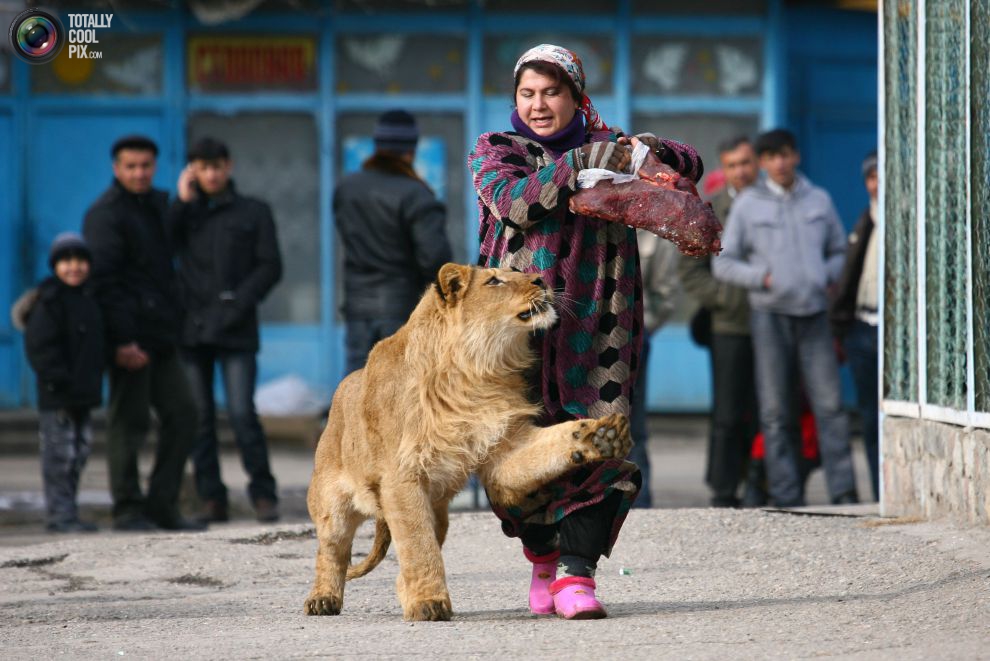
column 980, row 193
column 900, row 293
column 946, row 115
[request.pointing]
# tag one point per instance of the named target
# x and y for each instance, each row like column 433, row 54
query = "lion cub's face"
column 508, row 298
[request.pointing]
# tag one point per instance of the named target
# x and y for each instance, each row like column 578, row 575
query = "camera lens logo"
column 36, row 36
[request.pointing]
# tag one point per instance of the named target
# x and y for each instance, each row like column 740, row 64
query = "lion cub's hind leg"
column 336, row 525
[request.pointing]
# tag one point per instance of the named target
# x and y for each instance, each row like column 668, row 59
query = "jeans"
column 639, row 454
column 782, row 343
column 362, row 334
column 162, row 385
column 733, row 418
column 239, row 370
column 861, row 348
column 66, row 440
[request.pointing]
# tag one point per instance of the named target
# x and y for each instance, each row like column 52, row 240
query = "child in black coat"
column 64, row 343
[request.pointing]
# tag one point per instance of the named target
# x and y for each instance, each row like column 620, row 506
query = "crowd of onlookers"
column 157, row 294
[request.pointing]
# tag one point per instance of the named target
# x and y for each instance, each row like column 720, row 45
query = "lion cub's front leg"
column 604, row 438
column 542, row 454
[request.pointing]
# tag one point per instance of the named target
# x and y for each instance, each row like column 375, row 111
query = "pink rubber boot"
column 544, row 573
column 574, row 598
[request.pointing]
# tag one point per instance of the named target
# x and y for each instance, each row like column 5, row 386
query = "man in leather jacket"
column 137, row 290
column 228, row 262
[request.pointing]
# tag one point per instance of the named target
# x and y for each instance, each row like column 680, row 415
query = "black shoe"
column 71, row 526
column 725, row 501
column 180, row 523
column 266, row 510
column 133, row 524
column 848, row 498
column 214, row 511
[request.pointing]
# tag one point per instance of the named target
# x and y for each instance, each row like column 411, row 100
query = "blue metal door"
column 10, row 345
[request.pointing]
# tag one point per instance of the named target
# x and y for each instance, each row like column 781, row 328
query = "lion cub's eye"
column 495, row 282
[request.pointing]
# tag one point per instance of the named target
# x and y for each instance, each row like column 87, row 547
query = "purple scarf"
column 569, row 137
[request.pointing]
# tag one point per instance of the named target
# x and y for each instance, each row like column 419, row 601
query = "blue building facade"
column 295, row 87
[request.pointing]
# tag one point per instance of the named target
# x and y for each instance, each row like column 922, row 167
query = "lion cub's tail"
column 383, row 537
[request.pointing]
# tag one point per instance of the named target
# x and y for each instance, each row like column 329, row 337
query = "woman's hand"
column 606, row 155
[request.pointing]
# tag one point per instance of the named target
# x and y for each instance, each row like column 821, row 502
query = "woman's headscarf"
column 571, row 64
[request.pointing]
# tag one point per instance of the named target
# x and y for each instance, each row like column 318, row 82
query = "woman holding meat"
column 589, row 360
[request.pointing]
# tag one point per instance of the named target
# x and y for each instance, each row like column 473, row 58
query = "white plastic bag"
column 588, row 178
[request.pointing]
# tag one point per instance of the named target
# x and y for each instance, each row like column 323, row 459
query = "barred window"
column 900, row 293
column 980, row 194
column 945, row 202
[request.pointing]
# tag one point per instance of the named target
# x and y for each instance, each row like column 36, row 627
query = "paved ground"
column 701, row 583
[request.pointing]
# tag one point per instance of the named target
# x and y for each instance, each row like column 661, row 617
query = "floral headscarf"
column 571, row 64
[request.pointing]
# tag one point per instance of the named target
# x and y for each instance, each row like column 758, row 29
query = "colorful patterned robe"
column 589, row 359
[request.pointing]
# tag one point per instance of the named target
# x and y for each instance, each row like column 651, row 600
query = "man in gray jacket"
column 394, row 235
column 785, row 244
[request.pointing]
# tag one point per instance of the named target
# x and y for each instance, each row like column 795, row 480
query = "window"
column 131, row 64
column 397, row 63
column 900, row 282
column 946, row 206
column 721, row 66
column 980, row 191
column 275, row 159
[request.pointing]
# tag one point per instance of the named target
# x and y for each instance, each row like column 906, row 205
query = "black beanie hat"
column 68, row 244
column 396, row 132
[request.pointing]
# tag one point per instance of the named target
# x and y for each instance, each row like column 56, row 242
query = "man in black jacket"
column 393, row 232
column 855, row 319
column 228, row 262
column 138, row 293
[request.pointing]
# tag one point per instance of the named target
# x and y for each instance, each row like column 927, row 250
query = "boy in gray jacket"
column 785, row 244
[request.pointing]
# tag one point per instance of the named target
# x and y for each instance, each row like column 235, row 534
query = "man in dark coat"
column 393, row 232
column 855, row 318
column 228, row 262
column 138, row 293
column 733, row 416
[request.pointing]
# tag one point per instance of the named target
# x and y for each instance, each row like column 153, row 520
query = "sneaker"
column 74, row 525
column 214, row 511
column 266, row 510
column 544, row 573
column 574, row 598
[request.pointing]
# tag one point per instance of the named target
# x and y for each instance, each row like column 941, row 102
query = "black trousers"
column 583, row 533
column 734, row 420
column 160, row 385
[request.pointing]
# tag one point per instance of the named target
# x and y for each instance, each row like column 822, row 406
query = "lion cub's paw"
column 322, row 605
column 431, row 610
column 604, row 438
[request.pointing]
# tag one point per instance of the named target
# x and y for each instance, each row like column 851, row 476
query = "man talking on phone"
column 228, row 261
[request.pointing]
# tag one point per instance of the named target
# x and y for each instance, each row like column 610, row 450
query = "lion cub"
column 440, row 399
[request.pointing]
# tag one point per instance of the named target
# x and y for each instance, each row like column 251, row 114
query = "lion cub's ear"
column 452, row 281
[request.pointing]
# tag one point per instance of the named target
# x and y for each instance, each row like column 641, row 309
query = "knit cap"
column 396, row 131
column 67, row 244
column 869, row 164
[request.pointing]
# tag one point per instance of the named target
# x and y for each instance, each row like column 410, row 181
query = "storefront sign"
column 220, row 63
